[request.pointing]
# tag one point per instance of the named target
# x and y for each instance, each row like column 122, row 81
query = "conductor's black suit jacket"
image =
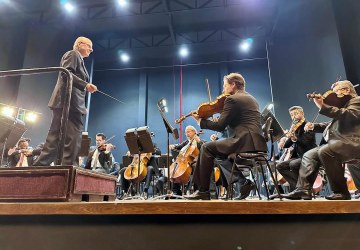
column 72, row 61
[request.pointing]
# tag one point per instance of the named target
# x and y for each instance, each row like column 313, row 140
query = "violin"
column 207, row 109
column 103, row 147
column 181, row 169
column 137, row 170
column 330, row 98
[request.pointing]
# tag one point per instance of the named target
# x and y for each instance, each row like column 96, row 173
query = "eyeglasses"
column 88, row 45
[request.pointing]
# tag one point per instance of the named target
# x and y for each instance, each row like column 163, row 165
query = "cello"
column 181, row 169
column 137, row 169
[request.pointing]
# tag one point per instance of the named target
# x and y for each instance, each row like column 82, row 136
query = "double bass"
column 137, row 170
column 181, row 169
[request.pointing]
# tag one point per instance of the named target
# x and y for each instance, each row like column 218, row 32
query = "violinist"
column 296, row 144
column 191, row 136
column 241, row 116
column 22, row 155
column 100, row 158
column 343, row 144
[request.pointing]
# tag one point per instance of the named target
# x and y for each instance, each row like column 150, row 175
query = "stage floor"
column 169, row 207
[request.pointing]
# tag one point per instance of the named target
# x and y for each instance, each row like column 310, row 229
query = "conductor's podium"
column 58, row 183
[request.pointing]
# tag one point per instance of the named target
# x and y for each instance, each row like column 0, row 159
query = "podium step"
column 55, row 183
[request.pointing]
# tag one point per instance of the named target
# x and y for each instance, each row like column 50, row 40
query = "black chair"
column 250, row 160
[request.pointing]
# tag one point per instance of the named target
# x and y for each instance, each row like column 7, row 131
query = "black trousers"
column 72, row 141
column 208, row 153
column 290, row 171
column 310, row 164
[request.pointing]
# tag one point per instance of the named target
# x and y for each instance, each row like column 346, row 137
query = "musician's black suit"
column 289, row 169
column 72, row 61
column 343, row 144
column 241, row 117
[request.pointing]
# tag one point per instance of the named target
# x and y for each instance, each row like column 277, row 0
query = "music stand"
column 174, row 131
column 138, row 142
column 276, row 132
column 11, row 130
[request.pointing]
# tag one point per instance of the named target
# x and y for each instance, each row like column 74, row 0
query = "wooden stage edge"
column 174, row 207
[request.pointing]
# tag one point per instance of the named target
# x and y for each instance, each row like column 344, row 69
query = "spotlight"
column 246, row 44
column 122, row 3
column 125, row 57
column 31, row 117
column 8, row 111
column 69, row 7
column 183, row 52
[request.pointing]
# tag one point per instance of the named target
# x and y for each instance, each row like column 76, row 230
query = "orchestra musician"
column 100, row 158
column 191, row 135
column 241, row 116
column 297, row 143
column 152, row 169
column 73, row 61
column 22, row 155
column 343, row 144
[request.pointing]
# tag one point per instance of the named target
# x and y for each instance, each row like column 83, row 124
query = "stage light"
column 183, row 52
column 122, row 3
column 69, row 7
column 8, row 111
column 31, row 117
column 246, row 44
column 124, row 57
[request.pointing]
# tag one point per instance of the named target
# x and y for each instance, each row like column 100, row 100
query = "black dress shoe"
column 245, row 190
column 298, row 194
column 197, row 195
column 338, row 196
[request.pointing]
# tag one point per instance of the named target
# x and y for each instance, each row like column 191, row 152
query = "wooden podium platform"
column 58, row 183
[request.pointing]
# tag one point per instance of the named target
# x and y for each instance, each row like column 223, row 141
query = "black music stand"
column 11, row 130
column 138, row 142
column 174, row 131
column 276, row 132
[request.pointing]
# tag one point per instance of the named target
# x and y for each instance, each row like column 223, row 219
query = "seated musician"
column 343, row 144
column 152, row 169
column 297, row 143
column 100, row 158
column 191, row 134
column 22, row 155
column 242, row 118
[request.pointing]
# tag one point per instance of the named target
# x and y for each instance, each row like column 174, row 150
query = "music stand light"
column 139, row 142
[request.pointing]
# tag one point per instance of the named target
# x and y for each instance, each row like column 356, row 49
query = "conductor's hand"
column 91, row 88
